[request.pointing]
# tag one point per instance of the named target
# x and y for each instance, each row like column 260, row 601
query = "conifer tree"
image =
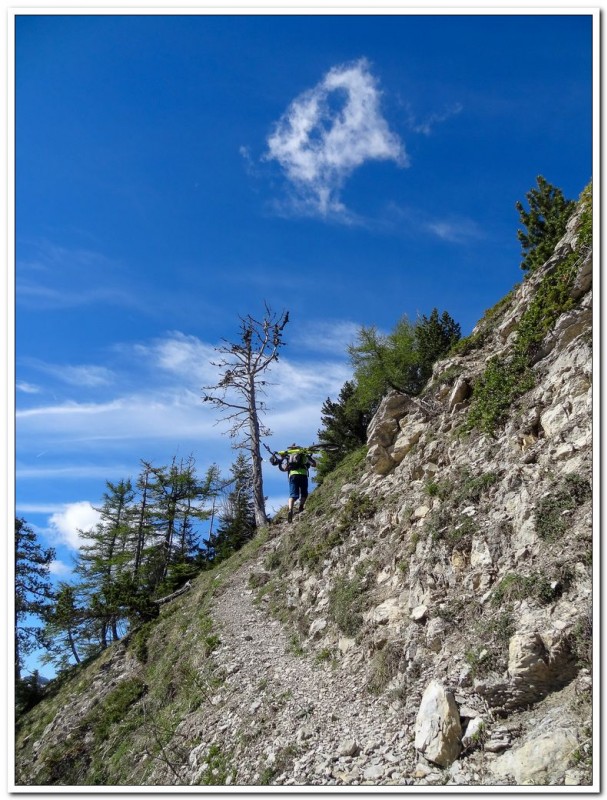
column 237, row 524
column 434, row 337
column 345, row 429
column 383, row 362
column 62, row 628
column 103, row 556
column 545, row 223
column 33, row 591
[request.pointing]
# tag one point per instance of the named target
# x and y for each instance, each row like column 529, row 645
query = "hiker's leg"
column 303, row 492
column 293, row 495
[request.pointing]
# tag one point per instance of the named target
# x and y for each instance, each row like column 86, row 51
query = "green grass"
column 346, row 604
column 552, row 514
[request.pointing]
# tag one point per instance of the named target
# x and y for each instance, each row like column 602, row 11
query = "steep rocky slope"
column 427, row 620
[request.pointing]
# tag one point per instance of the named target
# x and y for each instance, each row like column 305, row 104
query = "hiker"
column 299, row 460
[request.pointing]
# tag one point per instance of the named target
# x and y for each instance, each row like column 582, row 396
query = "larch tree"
column 243, row 366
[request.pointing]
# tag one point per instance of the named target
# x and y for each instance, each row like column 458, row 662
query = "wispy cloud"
column 51, row 276
column 27, row 388
column 452, row 228
column 328, row 337
column 85, row 375
column 151, row 416
column 426, row 126
column 181, row 354
column 328, row 132
column 455, row 230
column 58, row 472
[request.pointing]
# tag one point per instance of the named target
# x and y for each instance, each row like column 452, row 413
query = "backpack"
column 297, row 460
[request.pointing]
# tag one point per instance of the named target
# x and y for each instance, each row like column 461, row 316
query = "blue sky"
column 176, row 172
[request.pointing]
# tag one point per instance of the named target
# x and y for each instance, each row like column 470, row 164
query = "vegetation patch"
column 493, row 634
column 217, row 767
column 506, row 379
column 112, row 710
column 386, row 665
column 553, row 513
column 520, row 587
column 581, row 641
column 346, row 604
column 282, row 762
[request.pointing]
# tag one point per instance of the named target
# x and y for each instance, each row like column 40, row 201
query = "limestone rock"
column 317, row 627
column 419, row 613
column 459, row 393
column 437, row 727
column 541, row 760
column 528, row 658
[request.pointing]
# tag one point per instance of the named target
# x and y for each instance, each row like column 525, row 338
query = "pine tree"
column 545, row 223
column 383, row 362
column 434, row 337
column 345, row 429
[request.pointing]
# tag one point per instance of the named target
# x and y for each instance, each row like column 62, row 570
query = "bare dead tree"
column 237, row 394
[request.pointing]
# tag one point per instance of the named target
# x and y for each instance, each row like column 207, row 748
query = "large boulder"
column 541, row 760
column 438, row 728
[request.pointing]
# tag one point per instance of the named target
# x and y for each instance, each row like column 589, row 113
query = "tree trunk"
column 72, row 645
column 259, row 503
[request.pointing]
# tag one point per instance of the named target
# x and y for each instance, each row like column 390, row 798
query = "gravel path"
column 301, row 721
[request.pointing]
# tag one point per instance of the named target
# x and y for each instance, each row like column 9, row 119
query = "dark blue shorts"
column 298, row 487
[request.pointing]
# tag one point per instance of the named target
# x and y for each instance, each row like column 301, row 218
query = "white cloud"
column 155, row 415
column 65, row 524
column 329, row 131
column 457, row 231
column 306, row 382
column 59, row 569
column 68, row 471
column 328, row 337
column 427, row 125
column 86, row 375
column 183, row 355
column 27, row 388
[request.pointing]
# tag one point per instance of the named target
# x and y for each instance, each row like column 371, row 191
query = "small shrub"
column 324, row 655
column 113, row 708
column 552, row 516
column 346, row 605
column 493, row 634
column 294, row 645
column 386, row 664
column 502, row 382
column 440, row 489
column 474, row 488
column 581, row 641
column 519, row 587
column 138, row 643
column 358, row 507
column 272, row 560
column 217, row 768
